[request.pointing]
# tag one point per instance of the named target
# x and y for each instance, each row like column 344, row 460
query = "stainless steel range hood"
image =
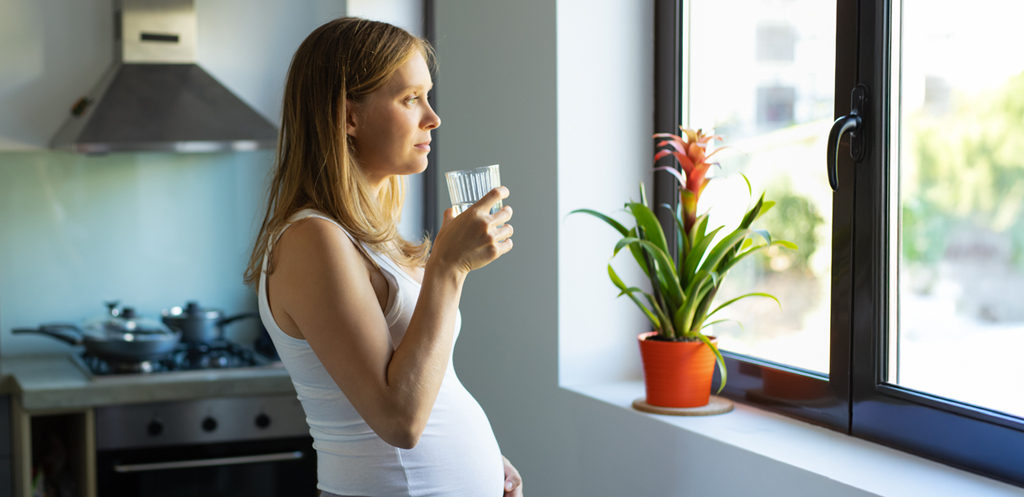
column 155, row 98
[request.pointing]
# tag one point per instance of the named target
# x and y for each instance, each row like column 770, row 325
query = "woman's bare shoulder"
column 316, row 241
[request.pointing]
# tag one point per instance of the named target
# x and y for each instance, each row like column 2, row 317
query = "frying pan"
column 115, row 346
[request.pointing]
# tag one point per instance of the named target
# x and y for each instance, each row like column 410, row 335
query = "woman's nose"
column 431, row 120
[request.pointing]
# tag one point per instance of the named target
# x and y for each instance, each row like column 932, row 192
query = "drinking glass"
column 469, row 185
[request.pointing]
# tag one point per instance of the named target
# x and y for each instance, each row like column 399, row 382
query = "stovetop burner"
column 220, row 354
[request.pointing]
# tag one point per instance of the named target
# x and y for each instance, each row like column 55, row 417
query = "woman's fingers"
column 503, row 232
column 476, row 237
column 502, row 216
column 513, row 482
column 487, row 201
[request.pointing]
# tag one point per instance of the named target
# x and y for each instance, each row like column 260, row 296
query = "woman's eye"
column 411, row 100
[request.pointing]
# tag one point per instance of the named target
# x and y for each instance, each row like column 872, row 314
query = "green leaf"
column 764, row 234
column 705, row 325
column 643, row 195
column 743, row 255
column 768, row 204
column 718, row 358
column 622, row 243
column 661, row 266
column 664, row 269
column 629, row 291
column 694, row 257
column 752, row 213
column 753, row 294
column 685, row 245
column 648, row 222
column 720, row 250
column 750, row 191
column 784, row 243
column 699, row 230
column 679, row 319
column 695, row 294
column 667, row 329
column 614, row 224
column 638, row 253
column 615, row 279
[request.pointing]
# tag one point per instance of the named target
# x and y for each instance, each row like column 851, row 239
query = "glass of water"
column 467, row 186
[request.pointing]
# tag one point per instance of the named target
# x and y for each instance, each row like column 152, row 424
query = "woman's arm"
column 322, row 287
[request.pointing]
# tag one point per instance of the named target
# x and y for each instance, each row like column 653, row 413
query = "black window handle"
column 852, row 123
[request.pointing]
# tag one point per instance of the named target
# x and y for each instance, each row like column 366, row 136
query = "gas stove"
column 221, row 354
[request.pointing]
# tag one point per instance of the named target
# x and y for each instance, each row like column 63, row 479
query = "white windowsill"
column 858, row 463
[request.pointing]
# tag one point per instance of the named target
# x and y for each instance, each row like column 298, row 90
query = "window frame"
column 857, row 400
column 831, row 408
column 940, row 429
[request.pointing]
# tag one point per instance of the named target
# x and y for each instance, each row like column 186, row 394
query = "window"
column 775, row 106
column 775, row 41
column 902, row 319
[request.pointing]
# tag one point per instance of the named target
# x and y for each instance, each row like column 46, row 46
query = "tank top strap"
column 383, row 262
column 308, row 213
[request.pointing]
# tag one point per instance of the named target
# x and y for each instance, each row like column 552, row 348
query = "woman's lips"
column 423, row 146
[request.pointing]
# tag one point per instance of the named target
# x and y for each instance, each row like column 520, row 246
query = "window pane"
column 961, row 176
column 761, row 72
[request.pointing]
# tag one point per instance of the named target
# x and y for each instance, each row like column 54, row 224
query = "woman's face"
column 390, row 130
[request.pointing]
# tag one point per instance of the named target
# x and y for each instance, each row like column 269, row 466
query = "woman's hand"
column 513, row 482
column 476, row 237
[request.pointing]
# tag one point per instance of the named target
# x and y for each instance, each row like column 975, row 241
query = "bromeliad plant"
column 685, row 283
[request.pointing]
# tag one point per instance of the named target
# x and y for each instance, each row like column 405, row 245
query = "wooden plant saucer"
column 716, row 405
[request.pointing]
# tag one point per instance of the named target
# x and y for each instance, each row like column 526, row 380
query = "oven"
column 240, row 446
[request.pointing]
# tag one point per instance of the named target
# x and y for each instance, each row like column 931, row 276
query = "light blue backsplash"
column 151, row 230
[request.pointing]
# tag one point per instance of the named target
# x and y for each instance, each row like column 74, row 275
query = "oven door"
column 272, row 467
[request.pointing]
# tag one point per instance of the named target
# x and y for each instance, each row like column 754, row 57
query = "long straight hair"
column 315, row 167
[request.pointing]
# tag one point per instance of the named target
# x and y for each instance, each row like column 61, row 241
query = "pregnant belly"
column 457, row 454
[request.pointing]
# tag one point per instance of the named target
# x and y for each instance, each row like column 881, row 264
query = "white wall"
column 605, row 122
column 558, row 92
column 497, row 93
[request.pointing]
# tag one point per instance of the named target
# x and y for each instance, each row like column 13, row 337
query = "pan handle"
column 236, row 317
column 65, row 332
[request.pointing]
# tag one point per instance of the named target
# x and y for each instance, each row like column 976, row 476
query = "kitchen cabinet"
column 64, row 439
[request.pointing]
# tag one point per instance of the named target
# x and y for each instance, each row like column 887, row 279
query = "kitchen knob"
column 262, row 421
column 155, row 428
column 209, row 424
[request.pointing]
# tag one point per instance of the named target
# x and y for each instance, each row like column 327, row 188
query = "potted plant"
column 678, row 358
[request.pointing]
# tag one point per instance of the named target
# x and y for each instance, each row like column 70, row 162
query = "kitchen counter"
column 58, row 382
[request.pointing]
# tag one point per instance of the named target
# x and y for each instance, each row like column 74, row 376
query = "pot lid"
column 192, row 310
column 119, row 323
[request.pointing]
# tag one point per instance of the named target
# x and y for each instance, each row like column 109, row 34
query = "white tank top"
column 457, row 454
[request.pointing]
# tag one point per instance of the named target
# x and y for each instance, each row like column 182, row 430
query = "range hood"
column 155, row 98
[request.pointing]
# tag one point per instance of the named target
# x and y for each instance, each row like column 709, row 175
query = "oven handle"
column 199, row 463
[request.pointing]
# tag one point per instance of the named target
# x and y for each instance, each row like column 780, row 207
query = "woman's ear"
column 351, row 117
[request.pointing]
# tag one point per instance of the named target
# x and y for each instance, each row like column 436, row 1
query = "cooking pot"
column 120, row 335
column 200, row 325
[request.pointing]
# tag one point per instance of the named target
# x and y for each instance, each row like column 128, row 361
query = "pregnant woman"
column 364, row 321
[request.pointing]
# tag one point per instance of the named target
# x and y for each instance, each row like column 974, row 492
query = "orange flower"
column 690, row 153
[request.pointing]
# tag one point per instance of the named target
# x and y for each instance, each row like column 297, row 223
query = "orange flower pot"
column 677, row 374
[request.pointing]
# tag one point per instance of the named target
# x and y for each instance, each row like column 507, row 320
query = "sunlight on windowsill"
column 858, row 463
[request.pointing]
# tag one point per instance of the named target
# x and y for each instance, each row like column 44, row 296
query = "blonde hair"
column 345, row 59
